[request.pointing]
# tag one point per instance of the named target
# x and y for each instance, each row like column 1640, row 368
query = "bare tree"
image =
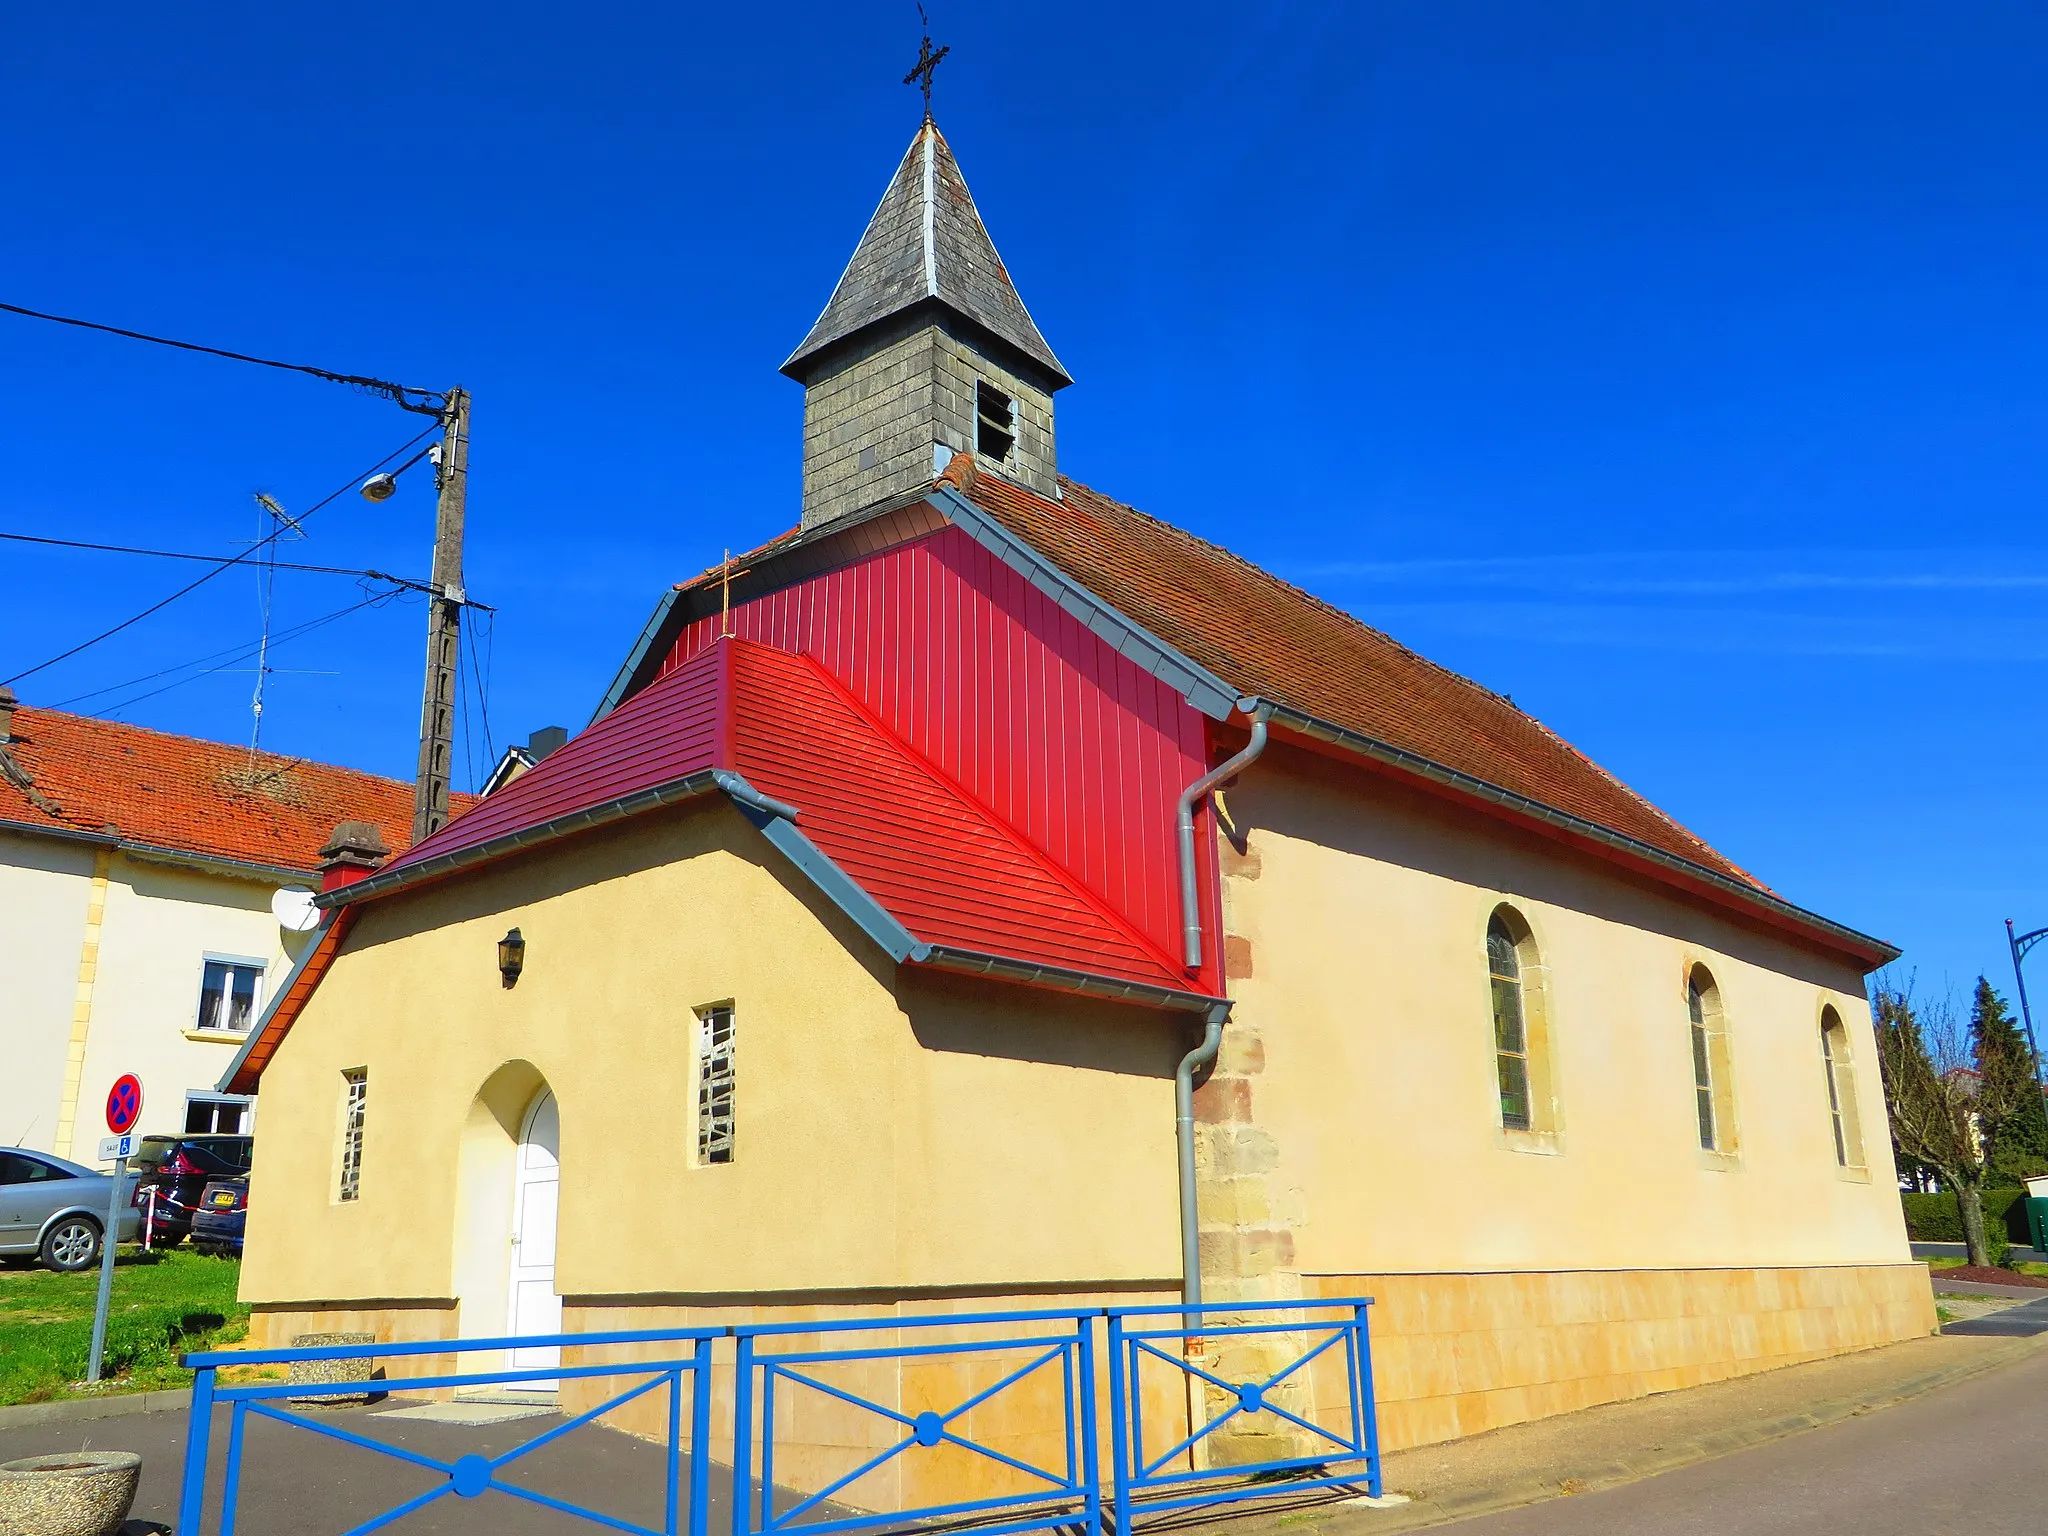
column 1944, row 1111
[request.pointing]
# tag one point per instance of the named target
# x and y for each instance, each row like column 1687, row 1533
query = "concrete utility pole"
column 444, row 623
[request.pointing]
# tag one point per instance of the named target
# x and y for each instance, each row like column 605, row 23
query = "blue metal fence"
column 683, row 1359
column 1306, row 1364
column 1053, row 1346
column 1274, row 1345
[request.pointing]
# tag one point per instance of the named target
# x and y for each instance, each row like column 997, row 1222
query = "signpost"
column 124, row 1108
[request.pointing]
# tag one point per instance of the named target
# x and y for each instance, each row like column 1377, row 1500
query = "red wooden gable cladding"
column 1014, row 701
column 939, row 862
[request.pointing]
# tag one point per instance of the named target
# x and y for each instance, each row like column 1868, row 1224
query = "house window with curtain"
column 230, row 993
column 1510, row 1025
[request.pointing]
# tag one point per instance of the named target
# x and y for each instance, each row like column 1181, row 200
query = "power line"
column 223, row 659
column 429, row 401
column 232, row 560
column 171, row 554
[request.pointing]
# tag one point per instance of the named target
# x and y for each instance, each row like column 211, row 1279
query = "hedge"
column 1935, row 1218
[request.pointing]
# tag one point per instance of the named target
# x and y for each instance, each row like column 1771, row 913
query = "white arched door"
column 536, row 1188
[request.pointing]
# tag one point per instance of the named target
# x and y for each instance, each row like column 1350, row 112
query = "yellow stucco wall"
column 914, row 1144
column 892, row 1136
column 1363, row 1044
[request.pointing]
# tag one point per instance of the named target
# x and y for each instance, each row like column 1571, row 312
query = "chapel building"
column 906, row 870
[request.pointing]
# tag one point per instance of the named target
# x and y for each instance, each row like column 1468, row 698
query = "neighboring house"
column 137, row 931
column 848, row 958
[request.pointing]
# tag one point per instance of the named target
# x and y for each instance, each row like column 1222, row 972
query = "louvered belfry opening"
column 924, row 350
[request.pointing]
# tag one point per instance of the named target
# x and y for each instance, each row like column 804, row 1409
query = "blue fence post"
column 1119, row 1429
column 198, row 1431
column 673, row 1469
column 231, row 1490
column 700, row 1441
column 1091, row 1459
column 743, row 1436
column 1363, row 1326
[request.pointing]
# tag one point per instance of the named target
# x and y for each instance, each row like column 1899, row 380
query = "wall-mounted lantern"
column 511, row 956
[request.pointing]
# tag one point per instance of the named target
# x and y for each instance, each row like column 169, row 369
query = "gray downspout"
column 1184, row 1136
column 1184, row 828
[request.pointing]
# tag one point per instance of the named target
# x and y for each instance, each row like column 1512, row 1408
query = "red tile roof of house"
column 1268, row 638
column 190, row 796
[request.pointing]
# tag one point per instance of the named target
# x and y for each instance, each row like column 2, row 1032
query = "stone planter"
column 74, row 1493
column 351, row 1368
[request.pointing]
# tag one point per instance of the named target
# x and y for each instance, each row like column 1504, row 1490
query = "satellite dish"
column 294, row 910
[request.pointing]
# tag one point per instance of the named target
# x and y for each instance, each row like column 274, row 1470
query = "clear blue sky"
column 1676, row 368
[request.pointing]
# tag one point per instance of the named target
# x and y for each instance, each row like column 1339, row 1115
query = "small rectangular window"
column 230, row 992
column 995, row 422
column 206, row 1115
column 716, row 1084
column 355, row 1091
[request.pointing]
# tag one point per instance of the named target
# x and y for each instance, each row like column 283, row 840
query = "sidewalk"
column 1621, row 1442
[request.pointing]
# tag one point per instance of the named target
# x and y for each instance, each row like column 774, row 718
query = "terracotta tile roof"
column 1268, row 638
column 191, row 796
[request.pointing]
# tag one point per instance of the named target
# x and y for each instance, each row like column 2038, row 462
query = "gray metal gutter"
column 971, row 962
column 1480, row 789
column 1184, row 1147
column 154, row 853
column 775, row 819
column 1184, row 830
column 688, row 787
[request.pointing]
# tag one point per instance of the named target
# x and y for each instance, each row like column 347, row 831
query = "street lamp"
column 2019, row 945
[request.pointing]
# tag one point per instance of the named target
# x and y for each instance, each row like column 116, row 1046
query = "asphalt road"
column 295, row 1483
column 1965, row 1461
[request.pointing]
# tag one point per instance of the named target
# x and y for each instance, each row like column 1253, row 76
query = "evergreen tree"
column 2018, row 1146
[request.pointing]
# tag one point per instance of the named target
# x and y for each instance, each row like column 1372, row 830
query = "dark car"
column 223, row 1208
column 174, row 1173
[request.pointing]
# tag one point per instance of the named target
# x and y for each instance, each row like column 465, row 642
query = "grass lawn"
column 164, row 1304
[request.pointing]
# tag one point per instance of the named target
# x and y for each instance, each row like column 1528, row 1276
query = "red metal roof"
column 939, row 862
column 942, row 864
column 191, row 796
column 666, row 732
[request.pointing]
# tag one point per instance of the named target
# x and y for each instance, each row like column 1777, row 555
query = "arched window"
column 1510, row 1024
column 1840, row 1068
column 1712, row 1087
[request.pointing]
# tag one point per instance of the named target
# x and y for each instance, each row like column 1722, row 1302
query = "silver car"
column 54, row 1210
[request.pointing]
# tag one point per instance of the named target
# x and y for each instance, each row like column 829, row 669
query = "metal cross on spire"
column 927, row 63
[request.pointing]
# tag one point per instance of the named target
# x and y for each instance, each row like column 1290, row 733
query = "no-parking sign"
column 124, row 1104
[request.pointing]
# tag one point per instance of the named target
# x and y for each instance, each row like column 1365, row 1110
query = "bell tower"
column 924, row 349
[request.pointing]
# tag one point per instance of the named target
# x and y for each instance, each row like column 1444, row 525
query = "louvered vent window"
column 716, row 1084
column 995, row 422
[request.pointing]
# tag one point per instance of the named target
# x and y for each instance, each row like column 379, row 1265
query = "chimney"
column 356, row 849
column 7, row 703
column 545, row 740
